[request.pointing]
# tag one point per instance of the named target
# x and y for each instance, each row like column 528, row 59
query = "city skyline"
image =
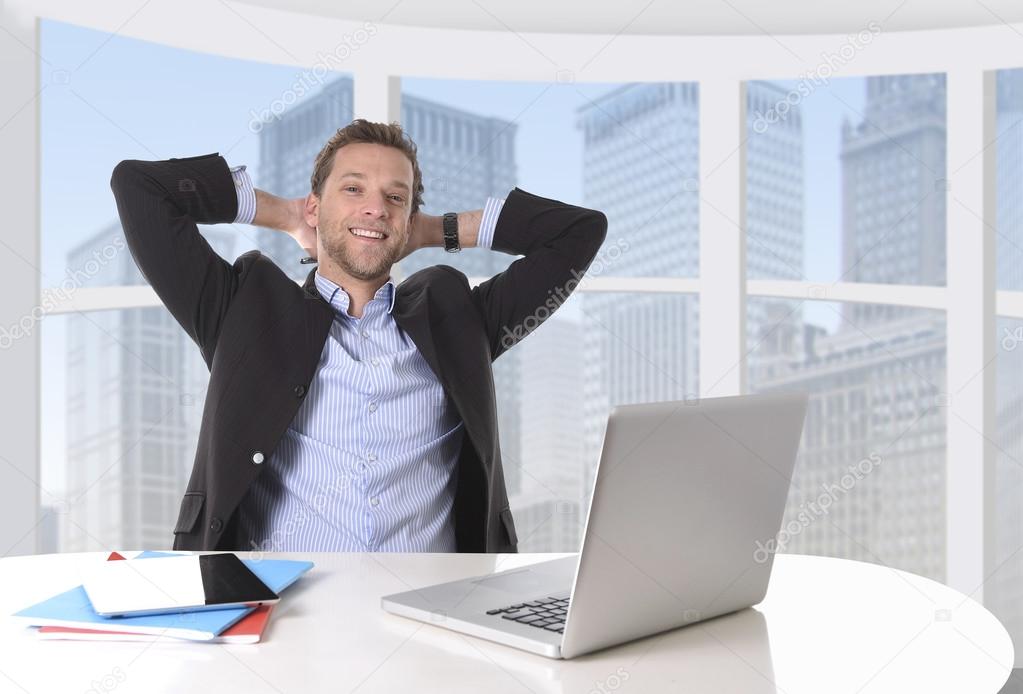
column 764, row 265
column 80, row 148
column 827, row 191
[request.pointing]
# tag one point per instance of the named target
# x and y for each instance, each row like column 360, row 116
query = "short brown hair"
column 362, row 130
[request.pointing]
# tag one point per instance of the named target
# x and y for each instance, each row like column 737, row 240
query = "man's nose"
column 374, row 205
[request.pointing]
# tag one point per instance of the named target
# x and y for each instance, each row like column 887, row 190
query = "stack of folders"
column 70, row 615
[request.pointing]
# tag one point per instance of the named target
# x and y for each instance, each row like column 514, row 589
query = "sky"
column 107, row 99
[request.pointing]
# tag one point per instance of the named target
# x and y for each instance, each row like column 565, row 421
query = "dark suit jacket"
column 261, row 335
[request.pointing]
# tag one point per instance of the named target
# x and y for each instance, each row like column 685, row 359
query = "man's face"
column 367, row 195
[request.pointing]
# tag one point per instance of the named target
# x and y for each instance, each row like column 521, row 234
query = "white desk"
column 827, row 626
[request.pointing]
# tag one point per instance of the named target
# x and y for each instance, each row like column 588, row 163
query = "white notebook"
column 174, row 584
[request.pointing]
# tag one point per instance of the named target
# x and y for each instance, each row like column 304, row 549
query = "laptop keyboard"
column 545, row 613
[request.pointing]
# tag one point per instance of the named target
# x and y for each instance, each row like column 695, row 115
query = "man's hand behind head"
column 288, row 216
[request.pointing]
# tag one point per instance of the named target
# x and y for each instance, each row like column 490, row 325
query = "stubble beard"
column 367, row 263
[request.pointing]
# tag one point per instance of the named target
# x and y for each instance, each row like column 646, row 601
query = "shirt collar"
column 331, row 291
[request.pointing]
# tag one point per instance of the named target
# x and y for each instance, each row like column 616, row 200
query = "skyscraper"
column 135, row 388
column 875, row 413
column 876, row 383
column 547, row 506
column 893, row 189
column 1009, row 179
column 641, row 168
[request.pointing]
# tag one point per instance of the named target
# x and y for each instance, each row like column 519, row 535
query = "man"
column 347, row 414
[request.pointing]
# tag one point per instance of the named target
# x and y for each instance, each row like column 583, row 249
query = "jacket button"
column 299, row 391
column 216, row 524
column 257, row 457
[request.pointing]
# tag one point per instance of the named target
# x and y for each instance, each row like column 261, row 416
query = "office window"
column 629, row 150
column 616, row 148
column 869, row 479
column 1004, row 588
column 597, row 351
column 252, row 114
column 1003, row 591
column 845, row 181
column 1009, row 179
column 115, row 379
column 847, row 187
column 122, row 422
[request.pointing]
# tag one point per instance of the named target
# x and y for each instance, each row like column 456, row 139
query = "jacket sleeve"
column 160, row 204
column 558, row 242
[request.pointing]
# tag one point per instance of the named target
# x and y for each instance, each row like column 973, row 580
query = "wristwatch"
column 451, row 232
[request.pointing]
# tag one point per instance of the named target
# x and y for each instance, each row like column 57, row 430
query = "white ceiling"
column 686, row 17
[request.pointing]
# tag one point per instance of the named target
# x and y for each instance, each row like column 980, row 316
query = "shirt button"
column 365, row 333
column 372, row 407
column 371, row 457
column 257, row 457
column 299, row 391
column 374, row 501
column 375, row 362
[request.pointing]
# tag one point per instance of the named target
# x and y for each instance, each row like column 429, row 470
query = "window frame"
column 721, row 67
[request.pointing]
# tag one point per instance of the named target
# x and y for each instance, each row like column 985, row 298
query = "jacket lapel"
column 412, row 313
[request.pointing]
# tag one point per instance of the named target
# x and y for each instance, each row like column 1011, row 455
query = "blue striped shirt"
column 384, row 480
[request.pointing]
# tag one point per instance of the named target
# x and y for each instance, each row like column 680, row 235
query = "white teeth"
column 367, row 232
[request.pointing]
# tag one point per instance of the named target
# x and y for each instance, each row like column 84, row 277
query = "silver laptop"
column 685, row 497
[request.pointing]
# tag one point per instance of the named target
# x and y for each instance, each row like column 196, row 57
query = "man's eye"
column 351, row 187
column 398, row 198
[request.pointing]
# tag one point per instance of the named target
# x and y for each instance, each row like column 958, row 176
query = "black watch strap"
column 451, row 232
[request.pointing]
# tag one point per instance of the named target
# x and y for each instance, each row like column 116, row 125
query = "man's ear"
column 411, row 240
column 312, row 210
column 413, row 219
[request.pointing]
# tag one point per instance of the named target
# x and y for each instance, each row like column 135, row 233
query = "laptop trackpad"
column 519, row 581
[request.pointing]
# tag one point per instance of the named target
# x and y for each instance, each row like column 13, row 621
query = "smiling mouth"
column 367, row 234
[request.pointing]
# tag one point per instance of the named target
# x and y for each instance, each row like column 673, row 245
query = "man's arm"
column 160, row 204
column 475, row 228
column 428, row 230
column 283, row 214
column 558, row 242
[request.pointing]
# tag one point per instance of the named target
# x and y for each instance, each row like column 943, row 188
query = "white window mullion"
column 972, row 345
column 376, row 97
column 722, row 189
